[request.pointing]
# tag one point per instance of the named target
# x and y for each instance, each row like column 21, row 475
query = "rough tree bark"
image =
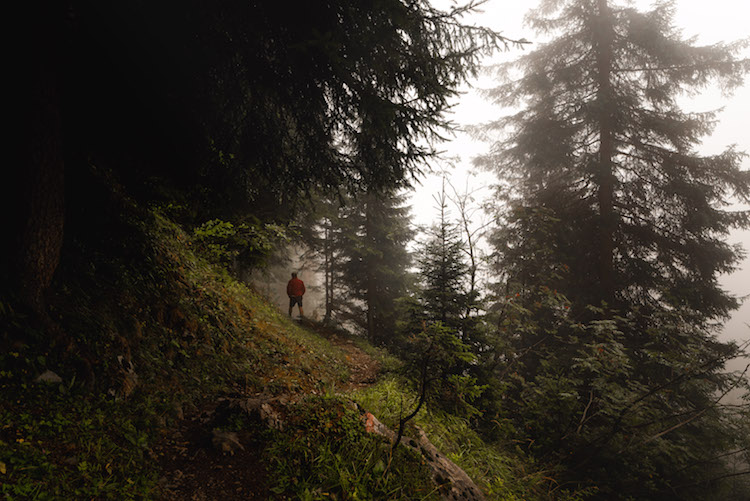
column 40, row 190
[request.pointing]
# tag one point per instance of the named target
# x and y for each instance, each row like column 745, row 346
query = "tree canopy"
column 246, row 106
column 279, row 99
column 600, row 139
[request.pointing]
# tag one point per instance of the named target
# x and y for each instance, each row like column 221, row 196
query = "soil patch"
column 194, row 469
column 363, row 369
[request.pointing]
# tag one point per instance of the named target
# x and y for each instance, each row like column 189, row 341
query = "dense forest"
column 566, row 349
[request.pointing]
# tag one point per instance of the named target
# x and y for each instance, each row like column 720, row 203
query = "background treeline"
column 595, row 342
column 594, row 345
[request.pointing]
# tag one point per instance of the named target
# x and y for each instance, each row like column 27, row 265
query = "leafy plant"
column 251, row 242
column 325, row 452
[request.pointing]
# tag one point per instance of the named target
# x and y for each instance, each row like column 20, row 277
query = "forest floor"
column 195, row 469
column 205, row 390
column 363, row 369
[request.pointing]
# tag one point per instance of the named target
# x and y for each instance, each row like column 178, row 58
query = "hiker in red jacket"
column 295, row 289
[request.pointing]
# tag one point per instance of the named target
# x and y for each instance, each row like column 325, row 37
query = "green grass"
column 501, row 470
column 59, row 444
column 192, row 334
column 325, row 453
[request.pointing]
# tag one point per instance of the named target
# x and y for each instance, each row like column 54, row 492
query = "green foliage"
column 324, row 452
column 250, row 243
column 440, row 347
column 443, row 271
column 438, row 331
column 602, row 145
column 218, row 237
column 376, row 262
column 529, row 250
column 58, row 443
column 606, row 200
column 435, row 358
column 325, row 231
column 502, row 470
column 410, row 318
column 262, row 103
column 580, row 394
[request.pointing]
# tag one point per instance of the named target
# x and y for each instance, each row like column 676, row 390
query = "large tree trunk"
column 605, row 177
column 42, row 231
column 40, row 190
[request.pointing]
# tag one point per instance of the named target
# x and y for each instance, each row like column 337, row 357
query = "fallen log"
column 453, row 483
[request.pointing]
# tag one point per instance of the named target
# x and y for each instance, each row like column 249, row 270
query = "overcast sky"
column 711, row 21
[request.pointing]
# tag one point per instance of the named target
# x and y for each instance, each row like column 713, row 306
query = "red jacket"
column 295, row 288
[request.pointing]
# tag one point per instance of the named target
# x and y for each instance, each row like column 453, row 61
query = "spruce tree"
column 611, row 207
column 444, row 270
column 323, row 229
column 446, row 313
column 375, row 262
column 600, row 135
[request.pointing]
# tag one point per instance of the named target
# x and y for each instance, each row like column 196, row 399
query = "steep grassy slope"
column 150, row 342
column 148, row 332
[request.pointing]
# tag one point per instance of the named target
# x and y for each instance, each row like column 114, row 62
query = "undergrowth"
column 325, row 453
column 60, row 444
column 152, row 331
column 502, row 470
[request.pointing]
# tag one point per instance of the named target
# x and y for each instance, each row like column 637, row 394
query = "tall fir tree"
column 601, row 136
column 376, row 263
column 611, row 205
column 473, row 233
column 445, row 309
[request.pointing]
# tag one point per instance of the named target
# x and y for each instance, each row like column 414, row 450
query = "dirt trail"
column 194, row 469
column 363, row 369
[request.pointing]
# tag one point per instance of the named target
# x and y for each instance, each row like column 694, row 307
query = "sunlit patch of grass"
column 324, row 453
column 388, row 400
column 500, row 470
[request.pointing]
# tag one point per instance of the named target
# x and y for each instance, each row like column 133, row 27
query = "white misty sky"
column 711, row 21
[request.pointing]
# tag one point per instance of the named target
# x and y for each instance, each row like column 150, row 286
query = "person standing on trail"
column 295, row 289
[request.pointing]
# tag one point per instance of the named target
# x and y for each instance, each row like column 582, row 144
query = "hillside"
column 168, row 379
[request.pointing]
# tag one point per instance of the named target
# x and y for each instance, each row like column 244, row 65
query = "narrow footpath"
column 199, row 463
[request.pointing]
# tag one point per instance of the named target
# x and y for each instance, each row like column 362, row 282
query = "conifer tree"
column 473, row 233
column 601, row 137
column 611, row 207
column 444, row 270
column 376, row 262
column 323, row 229
column 447, row 304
